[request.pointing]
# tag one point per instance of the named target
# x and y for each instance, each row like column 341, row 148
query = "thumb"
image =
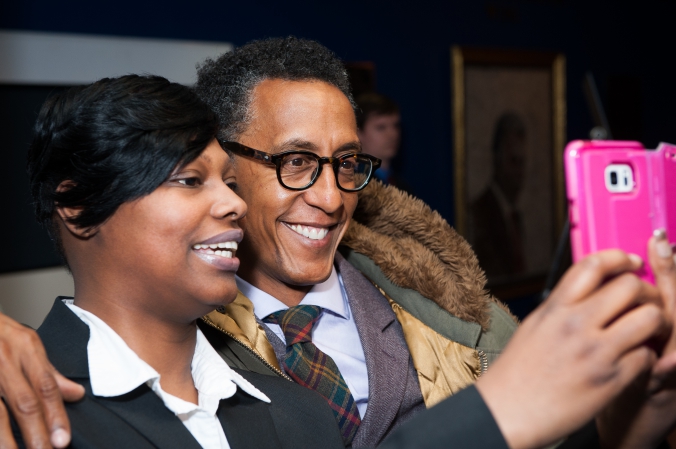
column 70, row 391
column 661, row 259
column 663, row 372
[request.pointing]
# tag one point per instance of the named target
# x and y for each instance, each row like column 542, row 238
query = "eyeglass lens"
column 298, row 170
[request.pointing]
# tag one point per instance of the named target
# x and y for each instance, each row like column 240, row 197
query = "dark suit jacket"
column 461, row 422
column 464, row 422
column 296, row 417
column 394, row 391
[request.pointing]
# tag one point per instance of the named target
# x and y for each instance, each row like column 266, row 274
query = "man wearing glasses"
column 300, row 168
column 396, row 319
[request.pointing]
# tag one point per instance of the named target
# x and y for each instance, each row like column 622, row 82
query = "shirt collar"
column 115, row 369
column 329, row 295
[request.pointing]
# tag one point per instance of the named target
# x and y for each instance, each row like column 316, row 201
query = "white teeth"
column 215, row 246
column 310, row 232
column 210, row 251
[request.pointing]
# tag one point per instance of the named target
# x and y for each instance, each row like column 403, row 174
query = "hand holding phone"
column 619, row 193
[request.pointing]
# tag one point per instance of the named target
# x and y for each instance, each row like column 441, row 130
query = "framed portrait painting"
column 509, row 134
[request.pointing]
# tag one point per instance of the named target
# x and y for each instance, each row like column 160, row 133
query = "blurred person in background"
column 379, row 131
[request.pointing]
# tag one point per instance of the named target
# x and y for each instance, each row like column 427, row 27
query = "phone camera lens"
column 613, row 178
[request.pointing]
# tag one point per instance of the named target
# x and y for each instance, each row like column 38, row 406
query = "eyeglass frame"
column 276, row 160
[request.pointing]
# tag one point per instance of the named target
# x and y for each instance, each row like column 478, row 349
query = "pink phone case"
column 601, row 219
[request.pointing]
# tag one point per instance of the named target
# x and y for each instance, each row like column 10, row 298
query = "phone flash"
column 619, row 178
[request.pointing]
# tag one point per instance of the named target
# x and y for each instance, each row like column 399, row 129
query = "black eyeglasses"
column 298, row 170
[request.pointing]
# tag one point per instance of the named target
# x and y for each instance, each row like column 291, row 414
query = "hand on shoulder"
column 32, row 390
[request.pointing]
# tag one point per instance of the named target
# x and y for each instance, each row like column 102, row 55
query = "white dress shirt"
column 335, row 332
column 115, row 369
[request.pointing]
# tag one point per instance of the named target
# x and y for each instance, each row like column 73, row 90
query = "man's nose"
column 325, row 193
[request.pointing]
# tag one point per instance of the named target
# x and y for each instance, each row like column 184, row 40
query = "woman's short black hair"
column 112, row 141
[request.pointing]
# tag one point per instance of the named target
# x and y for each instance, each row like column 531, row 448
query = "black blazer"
column 296, row 417
column 463, row 421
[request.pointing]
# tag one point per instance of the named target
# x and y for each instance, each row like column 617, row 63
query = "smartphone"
column 618, row 194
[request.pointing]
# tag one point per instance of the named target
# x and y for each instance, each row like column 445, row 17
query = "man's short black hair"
column 226, row 83
column 112, row 141
column 372, row 103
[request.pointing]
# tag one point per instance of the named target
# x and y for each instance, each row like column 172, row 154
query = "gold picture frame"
column 509, row 105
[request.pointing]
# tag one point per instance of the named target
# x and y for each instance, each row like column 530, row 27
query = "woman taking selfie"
column 128, row 178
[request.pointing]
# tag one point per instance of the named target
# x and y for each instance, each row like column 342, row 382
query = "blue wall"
column 409, row 43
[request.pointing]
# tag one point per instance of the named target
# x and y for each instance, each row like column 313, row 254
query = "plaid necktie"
column 310, row 367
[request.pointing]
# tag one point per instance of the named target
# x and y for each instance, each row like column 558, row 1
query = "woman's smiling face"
column 176, row 247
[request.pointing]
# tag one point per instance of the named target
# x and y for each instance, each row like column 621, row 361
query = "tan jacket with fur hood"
column 454, row 329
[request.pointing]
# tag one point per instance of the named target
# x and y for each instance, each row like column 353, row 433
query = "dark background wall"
column 629, row 49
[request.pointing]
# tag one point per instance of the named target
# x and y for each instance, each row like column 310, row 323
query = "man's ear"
column 68, row 213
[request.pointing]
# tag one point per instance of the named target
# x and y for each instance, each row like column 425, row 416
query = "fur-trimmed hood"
column 417, row 249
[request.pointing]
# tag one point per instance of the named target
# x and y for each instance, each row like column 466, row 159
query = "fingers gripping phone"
column 618, row 194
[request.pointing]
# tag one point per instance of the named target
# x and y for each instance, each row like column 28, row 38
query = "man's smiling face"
column 291, row 236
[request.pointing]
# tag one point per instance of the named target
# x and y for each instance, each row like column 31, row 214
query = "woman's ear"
column 68, row 213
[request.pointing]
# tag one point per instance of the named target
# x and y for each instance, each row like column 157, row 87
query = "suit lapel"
column 144, row 411
column 385, row 350
column 277, row 344
column 65, row 338
column 247, row 422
